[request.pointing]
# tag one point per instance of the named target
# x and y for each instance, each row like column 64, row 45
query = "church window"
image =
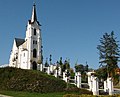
column 34, row 31
column 34, row 53
column 24, row 54
column 33, row 42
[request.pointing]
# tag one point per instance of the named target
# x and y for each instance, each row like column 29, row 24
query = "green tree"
column 46, row 63
column 67, row 65
column 64, row 66
column 109, row 53
column 61, row 64
column 82, row 69
column 101, row 73
column 79, row 68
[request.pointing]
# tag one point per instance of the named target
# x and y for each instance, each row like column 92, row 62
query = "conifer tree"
column 109, row 53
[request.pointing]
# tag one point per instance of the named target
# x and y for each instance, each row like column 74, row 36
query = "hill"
column 29, row 80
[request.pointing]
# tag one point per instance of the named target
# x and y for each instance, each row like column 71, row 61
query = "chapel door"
column 34, row 65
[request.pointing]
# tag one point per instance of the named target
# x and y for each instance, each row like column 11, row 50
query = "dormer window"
column 34, row 31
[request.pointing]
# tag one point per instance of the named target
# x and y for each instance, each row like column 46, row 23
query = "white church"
column 27, row 53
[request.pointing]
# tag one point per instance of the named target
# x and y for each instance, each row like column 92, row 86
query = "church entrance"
column 34, row 65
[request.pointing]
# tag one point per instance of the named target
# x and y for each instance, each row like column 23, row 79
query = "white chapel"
column 27, row 53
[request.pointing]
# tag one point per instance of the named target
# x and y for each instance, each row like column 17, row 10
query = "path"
column 4, row 95
column 116, row 91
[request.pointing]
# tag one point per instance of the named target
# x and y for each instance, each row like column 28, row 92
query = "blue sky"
column 70, row 28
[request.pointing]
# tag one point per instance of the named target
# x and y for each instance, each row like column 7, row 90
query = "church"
column 27, row 53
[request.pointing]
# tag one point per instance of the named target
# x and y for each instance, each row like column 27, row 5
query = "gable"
column 19, row 41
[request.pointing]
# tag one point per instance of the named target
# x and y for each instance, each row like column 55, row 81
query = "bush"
column 29, row 80
column 77, row 90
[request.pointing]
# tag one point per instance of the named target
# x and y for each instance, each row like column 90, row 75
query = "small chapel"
column 27, row 53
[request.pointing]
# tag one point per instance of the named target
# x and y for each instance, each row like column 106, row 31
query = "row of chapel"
column 27, row 53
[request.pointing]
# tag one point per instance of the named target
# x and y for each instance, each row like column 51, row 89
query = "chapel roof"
column 19, row 41
column 34, row 16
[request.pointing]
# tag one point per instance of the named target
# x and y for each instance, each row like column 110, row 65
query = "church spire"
column 34, row 16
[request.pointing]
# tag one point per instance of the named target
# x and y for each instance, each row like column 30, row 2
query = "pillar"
column 41, row 67
column 105, row 86
column 78, row 80
column 51, row 68
column 90, row 77
column 48, row 70
column 64, row 77
column 95, row 88
column 59, row 71
column 75, row 77
column 110, row 86
column 56, row 73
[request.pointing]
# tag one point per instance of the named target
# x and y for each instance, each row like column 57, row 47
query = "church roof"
column 34, row 16
column 19, row 41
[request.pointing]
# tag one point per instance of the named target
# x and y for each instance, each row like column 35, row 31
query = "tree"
column 101, row 73
column 50, row 59
column 64, row 66
column 79, row 68
column 109, row 53
column 82, row 69
column 67, row 64
column 46, row 63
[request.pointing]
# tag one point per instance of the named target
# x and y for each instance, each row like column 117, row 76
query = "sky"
column 71, row 29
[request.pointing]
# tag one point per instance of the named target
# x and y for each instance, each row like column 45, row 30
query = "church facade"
column 27, row 53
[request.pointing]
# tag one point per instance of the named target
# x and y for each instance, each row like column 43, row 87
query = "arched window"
column 34, row 53
column 34, row 31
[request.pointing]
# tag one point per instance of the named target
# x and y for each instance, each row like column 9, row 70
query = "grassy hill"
column 29, row 80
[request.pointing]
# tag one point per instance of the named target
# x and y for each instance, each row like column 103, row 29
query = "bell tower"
column 34, row 41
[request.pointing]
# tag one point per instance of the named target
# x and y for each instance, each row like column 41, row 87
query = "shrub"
column 77, row 90
column 29, row 80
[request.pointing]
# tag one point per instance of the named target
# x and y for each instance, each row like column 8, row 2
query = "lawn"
column 27, row 94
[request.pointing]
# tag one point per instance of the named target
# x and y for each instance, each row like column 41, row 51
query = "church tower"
column 34, row 41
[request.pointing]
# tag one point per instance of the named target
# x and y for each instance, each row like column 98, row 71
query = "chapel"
column 27, row 53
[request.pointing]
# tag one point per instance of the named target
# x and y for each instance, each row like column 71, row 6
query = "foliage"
column 102, row 75
column 72, row 74
column 29, row 94
column 64, row 66
column 82, row 69
column 109, row 53
column 39, row 61
column 46, row 63
column 29, row 80
column 75, row 95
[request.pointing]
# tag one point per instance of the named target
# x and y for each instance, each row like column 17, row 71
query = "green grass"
column 28, row 94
